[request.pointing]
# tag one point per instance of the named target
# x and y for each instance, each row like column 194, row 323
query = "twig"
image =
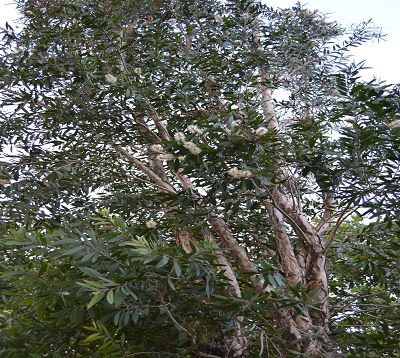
column 261, row 344
column 192, row 337
column 206, row 355
column 332, row 234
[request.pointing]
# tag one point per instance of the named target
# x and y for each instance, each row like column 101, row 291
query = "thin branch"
column 328, row 214
column 343, row 216
column 179, row 326
column 164, row 186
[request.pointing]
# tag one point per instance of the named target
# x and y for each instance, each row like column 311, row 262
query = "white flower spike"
column 194, row 129
column 239, row 174
column 394, row 124
column 111, row 79
column 157, row 148
column 261, row 131
column 151, row 224
column 166, row 156
column 193, row 148
column 179, row 137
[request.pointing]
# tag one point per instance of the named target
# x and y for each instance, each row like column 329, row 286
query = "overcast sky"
column 383, row 57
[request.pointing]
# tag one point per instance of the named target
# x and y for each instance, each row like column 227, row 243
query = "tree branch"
column 238, row 252
column 162, row 185
column 288, row 259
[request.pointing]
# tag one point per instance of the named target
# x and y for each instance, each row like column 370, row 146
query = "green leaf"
column 91, row 272
column 87, row 257
column 126, row 319
column 162, row 262
column 127, row 291
column 177, row 269
column 279, row 280
column 149, row 258
column 171, row 284
column 110, row 297
column 95, row 299
column 93, row 337
column 73, row 251
column 271, row 280
column 43, row 268
column 117, row 298
column 116, row 318
column 135, row 315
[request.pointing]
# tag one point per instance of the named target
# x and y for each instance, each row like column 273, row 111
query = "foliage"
column 101, row 282
column 365, row 288
column 175, row 175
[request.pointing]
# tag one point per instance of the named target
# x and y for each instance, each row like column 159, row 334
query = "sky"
column 382, row 57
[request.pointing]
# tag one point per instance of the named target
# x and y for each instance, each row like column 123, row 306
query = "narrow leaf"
column 162, row 262
column 110, row 297
column 96, row 298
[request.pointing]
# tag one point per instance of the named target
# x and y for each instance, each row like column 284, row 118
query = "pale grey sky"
column 382, row 57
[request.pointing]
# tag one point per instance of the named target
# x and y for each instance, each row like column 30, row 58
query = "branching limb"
column 226, row 267
column 162, row 185
column 326, row 220
column 288, row 259
column 238, row 252
column 343, row 216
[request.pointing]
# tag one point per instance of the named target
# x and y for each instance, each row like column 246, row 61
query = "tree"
column 175, row 175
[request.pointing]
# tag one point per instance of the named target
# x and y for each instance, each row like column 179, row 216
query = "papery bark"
column 236, row 342
column 287, row 258
column 235, row 250
column 308, row 268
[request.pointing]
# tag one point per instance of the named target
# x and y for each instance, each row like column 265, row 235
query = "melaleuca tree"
column 364, row 288
column 175, row 174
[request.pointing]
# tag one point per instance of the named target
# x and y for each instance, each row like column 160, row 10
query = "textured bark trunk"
column 308, row 266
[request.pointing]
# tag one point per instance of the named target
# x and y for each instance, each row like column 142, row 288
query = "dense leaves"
column 148, row 151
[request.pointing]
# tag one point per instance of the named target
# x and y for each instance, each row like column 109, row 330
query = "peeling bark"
column 287, row 257
column 238, row 252
column 183, row 239
column 308, row 267
column 162, row 185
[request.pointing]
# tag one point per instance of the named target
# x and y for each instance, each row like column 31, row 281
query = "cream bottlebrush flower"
column 247, row 173
column 166, row 156
column 111, row 79
column 261, row 131
column 239, row 174
column 349, row 119
column 157, row 148
column 193, row 148
column 234, row 173
column 151, row 224
column 138, row 71
column 194, row 129
column 179, row 137
column 394, row 124
column 218, row 18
